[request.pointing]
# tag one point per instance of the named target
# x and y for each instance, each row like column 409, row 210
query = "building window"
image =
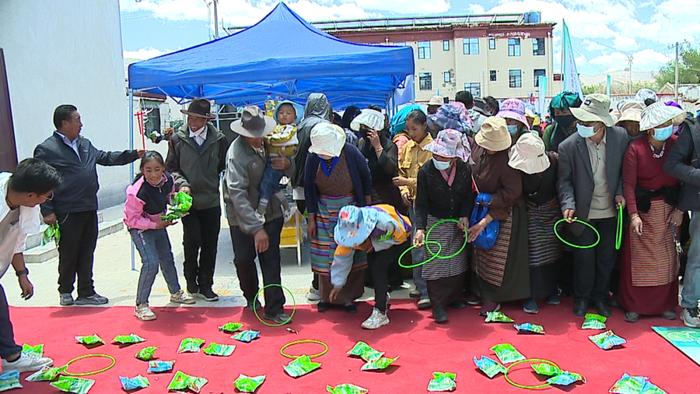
column 474, row 88
column 492, row 75
column 471, row 46
column 492, row 43
column 513, row 47
column 445, row 45
column 423, row 49
column 538, row 47
column 539, row 72
column 446, row 77
column 425, row 81
column 515, row 79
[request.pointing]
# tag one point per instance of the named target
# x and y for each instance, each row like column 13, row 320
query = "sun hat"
column 494, row 134
column 564, row 100
column 450, row 143
column 253, row 123
column 513, row 109
column 595, row 108
column 451, row 116
column 436, row 100
column 369, row 118
column 631, row 111
column 398, row 121
column 327, row 139
column 645, row 94
column 298, row 110
column 528, row 154
column 354, row 225
column 657, row 114
column 200, row 108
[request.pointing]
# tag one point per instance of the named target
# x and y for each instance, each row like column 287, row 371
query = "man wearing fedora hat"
column 590, row 189
column 196, row 158
column 254, row 236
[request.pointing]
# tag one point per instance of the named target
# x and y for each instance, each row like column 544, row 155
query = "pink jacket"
column 145, row 203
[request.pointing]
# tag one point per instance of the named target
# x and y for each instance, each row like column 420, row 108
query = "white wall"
column 68, row 52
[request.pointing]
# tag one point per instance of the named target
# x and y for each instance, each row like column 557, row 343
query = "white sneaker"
column 27, row 363
column 313, row 295
column 143, row 312
column 182, row 298
column 691, row 317
column 376, row 320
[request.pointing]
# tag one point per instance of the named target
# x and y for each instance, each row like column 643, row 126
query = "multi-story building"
column 499, row 55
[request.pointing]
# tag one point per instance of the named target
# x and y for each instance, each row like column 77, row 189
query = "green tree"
column 619, row 88
column 688, row 68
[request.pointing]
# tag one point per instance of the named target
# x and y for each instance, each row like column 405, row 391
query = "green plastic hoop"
column 437, row 255
column 255, row 302
column 565, row 242
column 618, row 231
column 429, row 259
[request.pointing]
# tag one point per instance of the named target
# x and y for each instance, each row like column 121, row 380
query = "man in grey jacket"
column 590, row 189
column 251, row 236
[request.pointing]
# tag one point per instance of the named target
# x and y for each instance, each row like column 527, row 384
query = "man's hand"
column 675, row 219
column 419, row 238
column 26, row 286
column 280, row 163
column 619, row 201
column 333, row 296
column 636, row 225
column 262, row 241
column 140, row 152
column 406, row 200
column 50, row 219
column 373, row 138
column 168, row 131
column 186, row 189
column 311, row 227
column 400, row 181
column 569, row 215
column 163, row 224
column 463, row 223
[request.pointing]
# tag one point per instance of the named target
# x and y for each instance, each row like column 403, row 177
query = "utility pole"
column 216, row 19
column 675, row 86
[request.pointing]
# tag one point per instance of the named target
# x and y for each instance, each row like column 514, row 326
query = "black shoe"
column 602, row 308
column 459, row 304
column 439, row 315
column 249, row 305
column 208, row 295
column 323, row 306
column 350, row 308
column 192, row 288
column 631, row 317
column 280, row 318
column 580, row 307
column 473, row 299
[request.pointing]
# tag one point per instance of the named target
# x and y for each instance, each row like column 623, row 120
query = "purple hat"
column 450, row 143
column 451, row 116
column 672, row 103
column 513, row 109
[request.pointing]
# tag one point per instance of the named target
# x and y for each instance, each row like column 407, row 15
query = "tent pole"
column 131, row 166
column 218, row 108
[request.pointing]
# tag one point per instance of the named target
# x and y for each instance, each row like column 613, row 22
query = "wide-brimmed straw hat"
column 327, row 139
column 200, row 108
column 513, row 109
column 436, row 101
column 253, row 123
column 595, row 108
column 494, row 135
column 450, row 143
column 354, row 225
column 657, row 114
column 631, row 111
column 369, row 118
column 528, row 154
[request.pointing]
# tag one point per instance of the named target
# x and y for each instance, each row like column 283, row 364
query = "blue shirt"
column 72, row 144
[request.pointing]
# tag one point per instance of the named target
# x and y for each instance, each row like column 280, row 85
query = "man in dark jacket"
column 683, row 162
column 74, row 205
column 196, row 158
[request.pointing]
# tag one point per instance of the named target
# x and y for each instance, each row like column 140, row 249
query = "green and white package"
column 301, row 366
column 217, row 349
column 507, row 353
column 497, row 317
column 545, row 369
column 607, row 340
column 69, row 384
column 190, row 345
column 529, row 328
column 90, row 340
column 248, row 384
column 346, row 388
column 147, row 354
column 135, row 383
column 127, row 339
column 246, row 336
column 9, row 380
column 593, row 321
column 231, row 327
column 160, row 366
column 37, row 350
column 566, row 378
column 46, row 374
column 378, row 364
column 183, row 381
column 635, row 385
column 443, row 381
column 489, row 366
column 365, row 352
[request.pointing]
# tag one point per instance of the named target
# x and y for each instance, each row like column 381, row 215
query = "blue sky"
column 604, row 32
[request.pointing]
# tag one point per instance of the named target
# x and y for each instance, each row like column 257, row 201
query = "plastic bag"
column 38, row 350
column 489, row 366
column 635, row 385
column 507, row 353
column 301, row 366
column 231, row 327
column 46, row 374
column 443, row 381
column 545, row 369
column 346, row 388
column 159, row 366
column 379, row 364
column 566, row 378
column 497, row 317
column 246, row 336
column 75, row 385
column 529, row 328
column 607, row 340
column 183, row 381
column 135, row 383
column 9, row 380
column 90, row 340
column 594, row 321
column 248, row 384
column 147, row 354
column 217, row 349
column 365, row 352
column 180, row 205
column 52, row 233
column 127, row 339
column 190, row 345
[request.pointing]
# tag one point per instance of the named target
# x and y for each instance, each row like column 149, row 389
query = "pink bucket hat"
column 513, row 109
column 450, row 143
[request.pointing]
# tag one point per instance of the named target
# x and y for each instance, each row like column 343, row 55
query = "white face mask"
column 441, row 165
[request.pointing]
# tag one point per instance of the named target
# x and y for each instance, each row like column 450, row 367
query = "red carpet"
column 423, row 347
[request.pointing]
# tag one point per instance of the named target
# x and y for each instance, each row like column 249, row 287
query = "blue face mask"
column 585, row 131
column 663, row 133
column 441, row 165
column 512, row 129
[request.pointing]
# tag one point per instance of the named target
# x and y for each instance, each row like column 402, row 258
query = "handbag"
column 487, row 239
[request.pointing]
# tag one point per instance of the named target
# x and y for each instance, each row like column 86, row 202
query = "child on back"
column 283, row 141
column 146, row 201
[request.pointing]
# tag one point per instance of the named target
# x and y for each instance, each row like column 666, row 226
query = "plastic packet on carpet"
column 231, row 327
column 135, row 383
column 489, row 366
column 566, row 378
column 38, row 350
column 70, row 384
column 127, row 339
column 246, row 336
column 90, row 340
column 46, row 374
column 217, row 349
column 507, row 353
column 593, row 321
column 497, row 317
column 346, row 388
column 159, row 366
column 248, row 384
column 301, row 366
column 183, row 381
column 607, row 340
column 190, row 345
column 9, row 380
column 365, row 352
column 443, row 381
column 379, row 364
column 545, row 369
column 147, row 354
column 529, row 328
column 635, row 385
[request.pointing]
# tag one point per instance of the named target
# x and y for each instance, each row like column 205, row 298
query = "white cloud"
column 142, row 54
column 650, row 59
column 614, row 61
